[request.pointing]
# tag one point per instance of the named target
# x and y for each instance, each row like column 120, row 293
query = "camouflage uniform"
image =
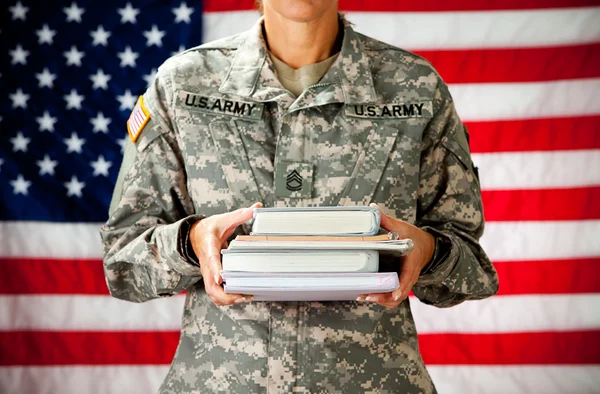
column 379, row 127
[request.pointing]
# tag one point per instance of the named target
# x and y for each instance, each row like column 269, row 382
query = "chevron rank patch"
column 137, row 120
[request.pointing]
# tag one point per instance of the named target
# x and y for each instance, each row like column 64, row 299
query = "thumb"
column 387, row 222
column 239, row 216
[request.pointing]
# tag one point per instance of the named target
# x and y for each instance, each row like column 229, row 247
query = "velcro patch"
column 220, row 105
column 137, row 120
column 391, row 111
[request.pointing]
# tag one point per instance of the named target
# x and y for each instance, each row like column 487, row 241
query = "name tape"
column 391, row 111
column 220, row 105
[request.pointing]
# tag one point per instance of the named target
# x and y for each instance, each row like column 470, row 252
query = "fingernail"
column 373, row 205
column 397, row 297
column 217, row 279
column 371, row 299
column 240, row 300
column 360, row 299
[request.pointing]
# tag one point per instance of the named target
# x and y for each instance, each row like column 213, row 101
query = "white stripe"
column 519, row 379
column 82, row 379
column 544, row 240
column 140, row 115
column 496, row 314
column 538, row 170
column 499, row 101
column 446, row 30
column 511, row 314
column 502, row 240
column 137, row 119
column 135, row 124
column 50, row 240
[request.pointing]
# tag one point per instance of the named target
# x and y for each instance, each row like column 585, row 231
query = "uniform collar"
column 252, row 76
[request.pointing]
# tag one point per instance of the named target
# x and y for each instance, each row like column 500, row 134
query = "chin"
column 301, row 10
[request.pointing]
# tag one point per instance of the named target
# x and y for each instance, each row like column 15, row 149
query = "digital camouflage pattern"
column 379, row 127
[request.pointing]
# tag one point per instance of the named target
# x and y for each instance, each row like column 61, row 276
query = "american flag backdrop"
column 525, row 76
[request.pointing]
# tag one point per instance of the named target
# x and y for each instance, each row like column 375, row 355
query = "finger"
column 239, row 216
column 408, row 277
column 380, row 298
column 387, row 222
column 211, row 257
column 219, row 297
column 216, row 292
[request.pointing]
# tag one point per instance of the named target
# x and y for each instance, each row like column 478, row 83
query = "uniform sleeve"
column 449, row 205
column 144, row 237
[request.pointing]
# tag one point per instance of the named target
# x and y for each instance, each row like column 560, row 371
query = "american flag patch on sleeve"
column 137, row 120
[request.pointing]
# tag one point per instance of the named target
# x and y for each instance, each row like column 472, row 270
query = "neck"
column 300, row 43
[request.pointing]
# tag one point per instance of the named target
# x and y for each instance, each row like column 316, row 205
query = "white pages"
column 302, row 261
column 400, row 246
column 316, row 221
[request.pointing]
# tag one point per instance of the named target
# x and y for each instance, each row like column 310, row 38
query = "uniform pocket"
column 233, row 160
column 370, row 166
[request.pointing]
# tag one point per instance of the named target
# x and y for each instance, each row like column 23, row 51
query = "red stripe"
column 87, row 348
column 52, row 276
column 154, row 348
column 578, row 347
column 547, row 134
column 77, row 277
column 543, row 204
column 567, row 276
column 417, row 6
column 517, row 64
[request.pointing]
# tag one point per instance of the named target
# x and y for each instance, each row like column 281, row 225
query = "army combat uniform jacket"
column 222, row 133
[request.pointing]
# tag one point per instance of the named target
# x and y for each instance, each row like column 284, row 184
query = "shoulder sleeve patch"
column 137, row 120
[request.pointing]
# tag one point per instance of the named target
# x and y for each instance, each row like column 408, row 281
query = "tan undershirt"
column 297, row 80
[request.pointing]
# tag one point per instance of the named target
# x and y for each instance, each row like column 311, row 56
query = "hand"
column 208, row 236
column 412, row 263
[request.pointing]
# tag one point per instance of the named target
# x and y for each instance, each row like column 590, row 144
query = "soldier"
column 358, row 121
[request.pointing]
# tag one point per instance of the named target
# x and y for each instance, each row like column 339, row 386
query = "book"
column 309, row 287
column 301, row 261
column 340, row 221
column 321, row 238
column 398, row 246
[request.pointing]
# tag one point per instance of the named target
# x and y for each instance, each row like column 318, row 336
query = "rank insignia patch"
column 293, row 181
column 137, row 120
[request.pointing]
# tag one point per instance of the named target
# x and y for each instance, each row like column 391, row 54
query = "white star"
column 177, row 52
column 183, row 13
column 127, row 101
column 100, row 123
column 74, row 187
column 122, row 142
column 19, row 99
column 45, row 35
column 46, row 122
column 128, row 14
column 18, row 11
column 20, row 142
column 73, row 13
column 101, row 166
column 45, row 78
column 73, row 99
column 74, row 143
column 74, row 56
column 100, row 79
column 20, row 185
column 47, row 165
column 154, row 36
column 149, row 78
column 127, row 57
column 100, row 36
column 19, row 55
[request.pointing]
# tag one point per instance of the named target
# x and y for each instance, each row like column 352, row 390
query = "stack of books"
column 311, row 254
